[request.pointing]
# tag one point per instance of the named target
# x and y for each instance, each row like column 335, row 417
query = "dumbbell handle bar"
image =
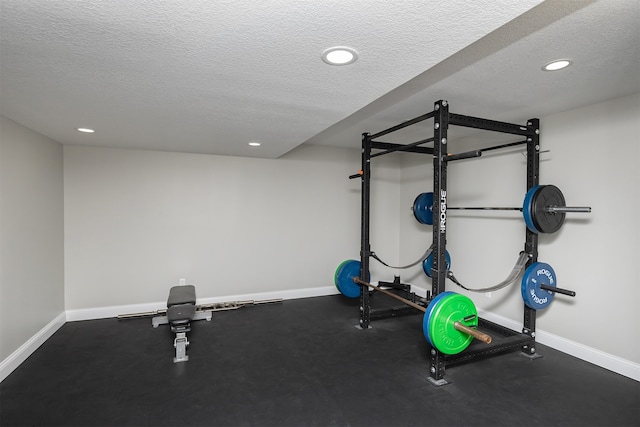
column 457, row 325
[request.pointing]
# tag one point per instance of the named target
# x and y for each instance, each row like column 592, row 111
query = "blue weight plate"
column 344, row 278
column 427, row 264
column 427, row 314
column 335, row 276
column 527, row 209
column 535, row 275
column 423, row 208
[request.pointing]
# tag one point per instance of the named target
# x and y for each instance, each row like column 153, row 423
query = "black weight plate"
column 547, row 195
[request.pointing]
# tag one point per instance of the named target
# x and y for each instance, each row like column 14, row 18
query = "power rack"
column 507, row 340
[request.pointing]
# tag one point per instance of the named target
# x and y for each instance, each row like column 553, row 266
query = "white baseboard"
column 8, row 365
column 114, row 311
column 607, row 361
column 600, row 358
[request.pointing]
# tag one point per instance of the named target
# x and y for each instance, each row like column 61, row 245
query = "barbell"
column 543, row 209
column 449, row 322
column 537, row 287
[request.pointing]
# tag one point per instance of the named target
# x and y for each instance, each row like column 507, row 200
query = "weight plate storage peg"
column 427, row 264
column 447, row 313
column 343, row 278
column 535, row 276
column 423, row 208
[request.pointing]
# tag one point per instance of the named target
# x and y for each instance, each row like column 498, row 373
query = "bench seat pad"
column 181, row 314
column 182, row 295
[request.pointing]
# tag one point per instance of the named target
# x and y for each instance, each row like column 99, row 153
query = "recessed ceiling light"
column 556, row 65
column 339, row 55
column 85, row 130
column 255, row 144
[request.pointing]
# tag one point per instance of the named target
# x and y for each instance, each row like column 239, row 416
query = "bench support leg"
column 180, row 343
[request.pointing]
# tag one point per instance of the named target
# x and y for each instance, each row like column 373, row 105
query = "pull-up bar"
column 402, row 147
column 478, row 153
column 403, row 125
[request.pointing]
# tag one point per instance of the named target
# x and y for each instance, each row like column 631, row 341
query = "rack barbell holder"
column 478, row 153
column 457, row 325
column 356, row 175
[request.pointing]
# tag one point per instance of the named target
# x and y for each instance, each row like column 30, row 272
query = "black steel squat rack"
column 509, row 340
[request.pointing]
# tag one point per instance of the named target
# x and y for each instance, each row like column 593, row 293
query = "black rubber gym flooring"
column 298, row 363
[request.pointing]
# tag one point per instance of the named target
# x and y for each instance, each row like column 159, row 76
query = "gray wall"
column 138, row 221
column 594, row 159
column 31, row 230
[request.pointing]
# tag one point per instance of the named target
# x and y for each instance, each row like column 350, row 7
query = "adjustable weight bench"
column 181, row 310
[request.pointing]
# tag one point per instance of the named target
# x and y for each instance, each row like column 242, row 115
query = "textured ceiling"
column 211, row 76
column 500, row 76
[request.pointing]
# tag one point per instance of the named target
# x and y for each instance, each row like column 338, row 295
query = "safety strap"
column 422, row 258
column 517, row 269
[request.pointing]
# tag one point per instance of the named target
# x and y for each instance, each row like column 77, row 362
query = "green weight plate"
column 450, row 309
